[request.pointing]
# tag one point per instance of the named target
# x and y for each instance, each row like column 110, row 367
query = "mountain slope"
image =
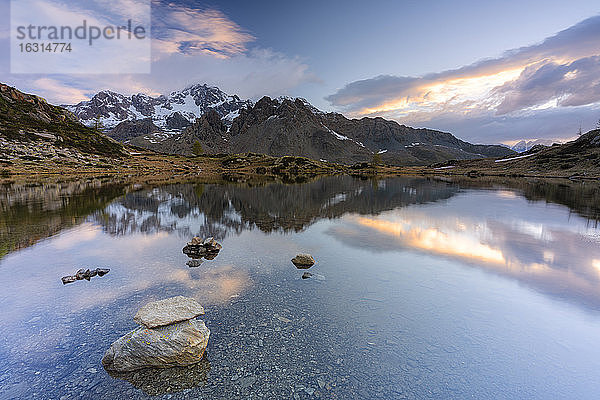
column 275, row 127
column 286, row 126
column 172, row 112
column 402, row 144
column 27, row 118
column 580, row 157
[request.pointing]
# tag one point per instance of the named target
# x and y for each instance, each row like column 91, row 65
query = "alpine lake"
column 423, row 288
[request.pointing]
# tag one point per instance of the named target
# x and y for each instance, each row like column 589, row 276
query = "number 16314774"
column 51, row 47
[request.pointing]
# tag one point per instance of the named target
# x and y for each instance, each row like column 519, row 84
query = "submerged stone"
column 193, row 263
column 303, row 261
column 168, row 311
column 306, row 275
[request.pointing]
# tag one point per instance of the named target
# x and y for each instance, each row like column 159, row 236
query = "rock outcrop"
column 169, row 337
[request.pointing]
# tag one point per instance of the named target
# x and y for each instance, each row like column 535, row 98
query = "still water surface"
column 422, row 288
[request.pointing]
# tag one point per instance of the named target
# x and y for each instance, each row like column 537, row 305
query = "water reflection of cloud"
column 139, row 264
column 549, row 257
column 82, row 233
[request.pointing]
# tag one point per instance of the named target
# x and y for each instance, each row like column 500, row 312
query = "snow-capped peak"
column 192, row 102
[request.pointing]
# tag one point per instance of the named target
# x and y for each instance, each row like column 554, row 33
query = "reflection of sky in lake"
column 542, row 246
column 480, row 294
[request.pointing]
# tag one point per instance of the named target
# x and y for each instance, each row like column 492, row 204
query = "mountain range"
column 223, row 123
column 173, row 112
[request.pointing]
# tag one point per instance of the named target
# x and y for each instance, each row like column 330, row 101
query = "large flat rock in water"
column 178, row 344
column 168, row 311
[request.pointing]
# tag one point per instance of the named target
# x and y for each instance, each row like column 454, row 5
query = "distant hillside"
column 26, row 118
column 580, row 157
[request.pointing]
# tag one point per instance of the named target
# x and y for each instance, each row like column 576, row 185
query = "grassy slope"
column 22, row 115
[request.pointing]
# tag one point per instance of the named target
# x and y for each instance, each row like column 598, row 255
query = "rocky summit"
column 175, row 111
column 169, row 337
column 168, row 311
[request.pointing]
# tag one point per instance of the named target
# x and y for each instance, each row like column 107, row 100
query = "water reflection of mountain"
column 31, row 212
column 218, row 210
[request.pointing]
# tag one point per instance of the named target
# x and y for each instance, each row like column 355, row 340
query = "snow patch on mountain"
column 112, row 108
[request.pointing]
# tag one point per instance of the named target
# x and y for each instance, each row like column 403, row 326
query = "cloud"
column 180, row 29
column 190, row 45
column 57, row 91
column 562, row 71
column 252, row 75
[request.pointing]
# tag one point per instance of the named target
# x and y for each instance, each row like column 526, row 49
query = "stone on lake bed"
column 68, row 279
column 306, row 275
column 168, row 311
column 193, row 263
column 178, row 344
column 303, row 261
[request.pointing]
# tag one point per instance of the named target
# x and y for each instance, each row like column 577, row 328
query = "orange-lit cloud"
column 496, row 94
column 555, row 260
column 186, row 30
column 451, row 243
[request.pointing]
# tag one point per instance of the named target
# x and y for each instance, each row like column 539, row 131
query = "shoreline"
column 150, row 167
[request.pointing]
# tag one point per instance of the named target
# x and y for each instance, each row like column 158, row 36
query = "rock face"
column 169, row 337
column 303, row 261
column 127, row 130
column 179, row 344
column 168, row 311
column 198, row 248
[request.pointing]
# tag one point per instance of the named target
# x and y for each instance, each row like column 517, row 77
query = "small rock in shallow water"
column 303, row 261
column 68, row 279
column 84, row 274
column 306, row 275
column 193, row 263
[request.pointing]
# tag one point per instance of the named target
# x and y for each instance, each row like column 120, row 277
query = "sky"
column 488, row 72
